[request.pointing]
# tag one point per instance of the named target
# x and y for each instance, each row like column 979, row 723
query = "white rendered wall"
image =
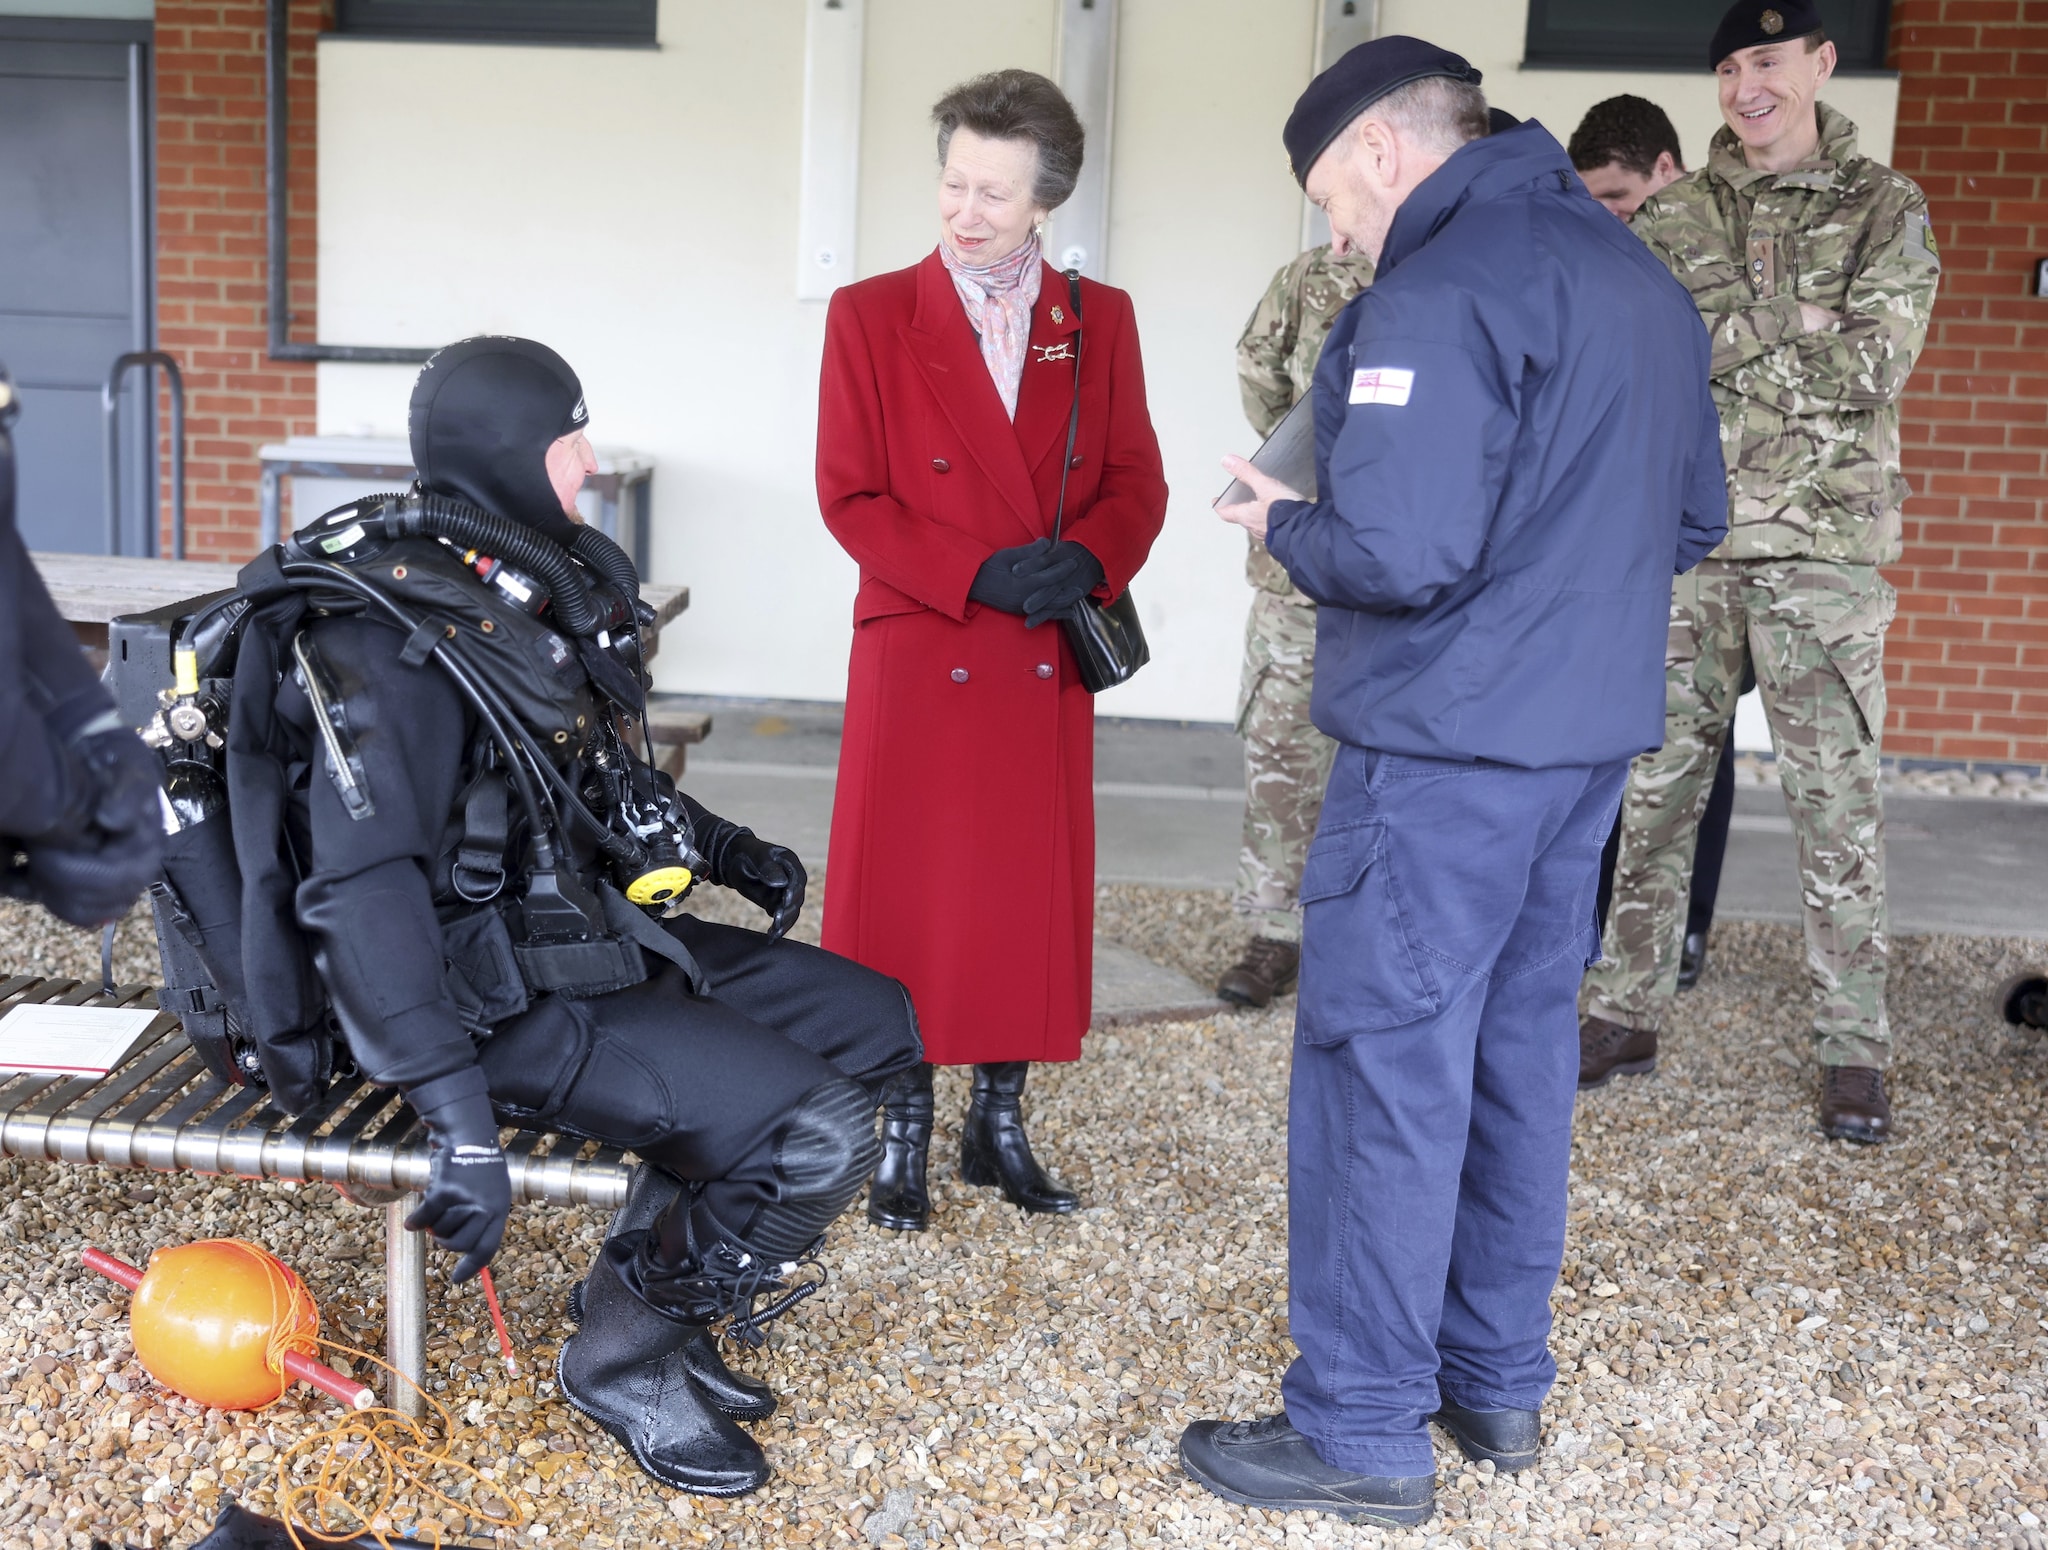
column 637, row 210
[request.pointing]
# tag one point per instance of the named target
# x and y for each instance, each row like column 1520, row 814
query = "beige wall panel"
column 1202, row 211
column 917, row 49
column 1491, row 33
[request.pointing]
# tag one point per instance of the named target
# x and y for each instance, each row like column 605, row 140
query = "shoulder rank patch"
column 1382, row 385
column 1920, row 238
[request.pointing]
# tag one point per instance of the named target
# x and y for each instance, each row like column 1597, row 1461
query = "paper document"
column 76, row 1040
column 1289, row 455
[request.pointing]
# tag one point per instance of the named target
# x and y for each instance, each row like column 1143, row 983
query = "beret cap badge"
column 1771, row 22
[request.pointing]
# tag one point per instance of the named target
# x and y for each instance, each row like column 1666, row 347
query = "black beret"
column 1751, row 22
column 1353, row 84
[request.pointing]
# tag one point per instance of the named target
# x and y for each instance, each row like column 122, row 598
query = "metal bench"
column 162, row 1110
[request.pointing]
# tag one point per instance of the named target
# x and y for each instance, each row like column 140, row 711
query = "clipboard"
column 1289, row 455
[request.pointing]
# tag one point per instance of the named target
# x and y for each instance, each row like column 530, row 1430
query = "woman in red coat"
column 963, row 834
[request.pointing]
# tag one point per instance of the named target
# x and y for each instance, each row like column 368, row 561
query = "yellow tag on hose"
column 185, row 661
column 659, row 886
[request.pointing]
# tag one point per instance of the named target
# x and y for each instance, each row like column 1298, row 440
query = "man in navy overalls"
column 1515, row 451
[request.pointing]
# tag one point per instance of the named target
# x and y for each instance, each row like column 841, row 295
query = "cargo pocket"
column 1361, row 972
column 1854, row 644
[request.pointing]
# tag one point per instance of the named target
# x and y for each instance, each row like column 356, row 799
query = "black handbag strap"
column 1073, row 414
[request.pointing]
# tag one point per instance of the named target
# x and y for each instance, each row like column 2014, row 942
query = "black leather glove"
column 1058, row 579
column 469, row 1192
column 1000, row 583
column 761, row 873
column 110, row 846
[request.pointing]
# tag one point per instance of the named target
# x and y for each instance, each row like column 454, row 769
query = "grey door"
column 75, row 272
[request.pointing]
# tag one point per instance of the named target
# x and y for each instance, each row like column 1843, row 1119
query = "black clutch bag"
column 1108, row 641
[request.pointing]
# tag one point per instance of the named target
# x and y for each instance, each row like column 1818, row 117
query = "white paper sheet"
column 78, row 1040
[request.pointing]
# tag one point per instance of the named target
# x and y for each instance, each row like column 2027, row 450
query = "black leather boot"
column 995, row 1150
column 625, row 1369
column 898, row 1198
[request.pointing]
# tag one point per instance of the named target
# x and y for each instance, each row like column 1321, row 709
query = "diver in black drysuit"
column 79, row 831
column 756, row 1096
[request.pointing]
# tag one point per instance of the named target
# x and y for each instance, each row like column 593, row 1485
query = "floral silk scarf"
column 999, row 300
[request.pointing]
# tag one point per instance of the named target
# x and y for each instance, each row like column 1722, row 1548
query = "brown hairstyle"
column 1019, row 105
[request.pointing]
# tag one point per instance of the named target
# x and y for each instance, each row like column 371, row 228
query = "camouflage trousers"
column 1814, row 632
column 1286, row 761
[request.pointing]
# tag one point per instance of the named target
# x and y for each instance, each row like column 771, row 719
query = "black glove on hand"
column 469, row 1193
column 1058, row 579
column 1000, row 582
column 770, row 876
column 89, row 871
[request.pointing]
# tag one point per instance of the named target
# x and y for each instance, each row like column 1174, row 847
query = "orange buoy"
column 225, row 1324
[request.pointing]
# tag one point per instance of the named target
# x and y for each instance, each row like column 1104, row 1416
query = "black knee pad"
column 825, row 1153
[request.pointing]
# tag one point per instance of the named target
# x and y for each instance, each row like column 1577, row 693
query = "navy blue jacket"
column 1515, row 450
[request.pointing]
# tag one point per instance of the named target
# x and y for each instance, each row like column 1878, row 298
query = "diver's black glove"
column 1002, row 583
column 109, row 846
column 469, row 1192
column 762, row 873
column 1058, row 579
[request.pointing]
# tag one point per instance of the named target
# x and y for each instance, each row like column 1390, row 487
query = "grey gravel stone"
column 1764, row 1338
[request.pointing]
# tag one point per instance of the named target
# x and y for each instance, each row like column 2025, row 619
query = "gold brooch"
column 1772, row 23
column 1058, row 316
column 1054, row 352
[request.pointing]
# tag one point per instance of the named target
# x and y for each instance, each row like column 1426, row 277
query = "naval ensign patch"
column 1381, row 385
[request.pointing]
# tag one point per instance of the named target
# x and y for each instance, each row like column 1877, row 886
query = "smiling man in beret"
column 1815, row 270
column 1512, row 460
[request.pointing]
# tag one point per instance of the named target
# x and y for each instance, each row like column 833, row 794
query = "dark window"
column 1673, row 34
column 500, row 21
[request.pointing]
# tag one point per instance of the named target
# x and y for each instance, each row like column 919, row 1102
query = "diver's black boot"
column 740, row 1395
column 898, row 1199
column 626, row 1370
column 995, row 1150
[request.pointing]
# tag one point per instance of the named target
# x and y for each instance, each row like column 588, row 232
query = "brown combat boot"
column 1853, row 1106
column 1608, row 1050
column 1268, row 968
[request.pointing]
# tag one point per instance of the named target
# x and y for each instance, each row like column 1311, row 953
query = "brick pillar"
column 212, row 309
column 1968, row 657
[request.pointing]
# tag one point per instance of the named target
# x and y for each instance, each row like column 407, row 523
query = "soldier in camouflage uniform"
column 1286, row 760
column 1815, row 280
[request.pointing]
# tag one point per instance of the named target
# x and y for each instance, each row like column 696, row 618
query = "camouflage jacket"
column 1278, row 351
column 1809, row 422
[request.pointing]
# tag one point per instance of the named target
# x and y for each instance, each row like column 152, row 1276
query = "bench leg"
column 405, row 1305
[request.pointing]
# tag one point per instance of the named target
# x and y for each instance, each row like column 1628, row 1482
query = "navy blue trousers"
column 1448, row 919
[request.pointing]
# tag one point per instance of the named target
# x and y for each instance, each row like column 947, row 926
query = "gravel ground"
column 1764, row 1338
column 2011, row 785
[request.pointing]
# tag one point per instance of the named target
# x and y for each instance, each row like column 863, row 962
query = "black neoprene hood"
column 484, row 412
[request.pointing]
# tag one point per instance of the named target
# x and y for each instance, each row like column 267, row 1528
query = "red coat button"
column 1076, row 461
column 1044, row 670
column 959, row 675
column 941, row 466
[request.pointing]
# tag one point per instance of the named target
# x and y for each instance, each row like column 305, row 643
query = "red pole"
column 296, row 1365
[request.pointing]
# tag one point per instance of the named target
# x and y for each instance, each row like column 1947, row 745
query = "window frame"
column 556, row 23
column 1548, row 47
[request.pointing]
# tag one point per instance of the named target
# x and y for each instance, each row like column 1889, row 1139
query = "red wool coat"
column 963, row 831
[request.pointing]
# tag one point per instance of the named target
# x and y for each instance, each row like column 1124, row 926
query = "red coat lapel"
column 1046, row 397
column 943, row 347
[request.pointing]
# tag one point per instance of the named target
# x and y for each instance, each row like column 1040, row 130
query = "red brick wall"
column 212, row 312
column 1968, row 657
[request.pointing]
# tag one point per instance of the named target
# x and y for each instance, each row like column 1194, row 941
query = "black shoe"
column 1854, row 1106
column 1509, row 1437
column 995, row 1150
column 1267, row 1463
column 1269, row 968
column 1692, row 959
column 740, row 1395
column 898, row 1199
column 626, row 1370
